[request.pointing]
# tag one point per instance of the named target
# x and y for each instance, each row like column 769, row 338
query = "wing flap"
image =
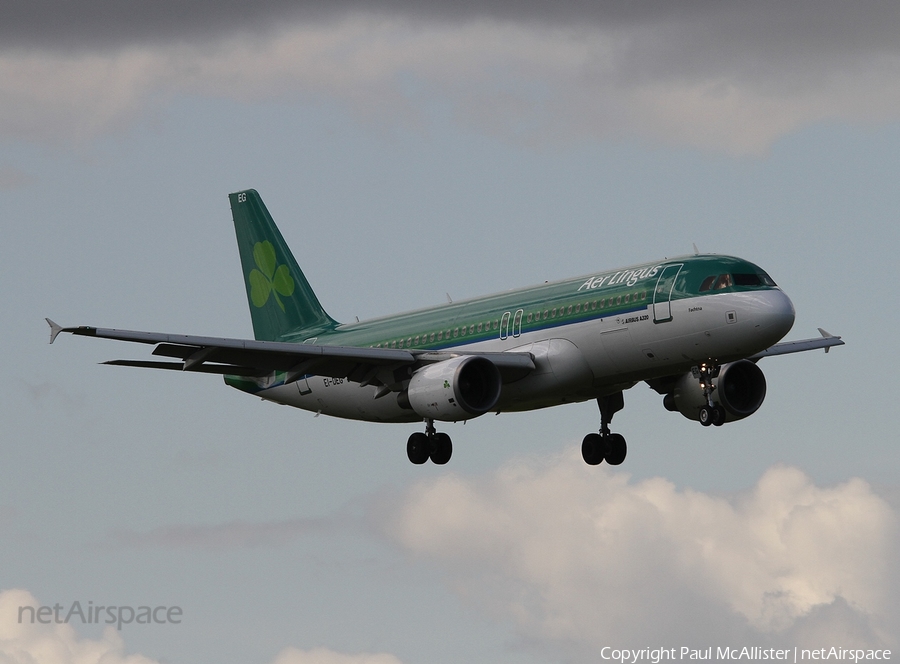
column 202, row 368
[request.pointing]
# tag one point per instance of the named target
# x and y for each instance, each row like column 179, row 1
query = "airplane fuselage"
column 589, row 336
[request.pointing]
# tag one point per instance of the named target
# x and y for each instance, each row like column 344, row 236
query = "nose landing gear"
column 710, row 413
column 605, row 446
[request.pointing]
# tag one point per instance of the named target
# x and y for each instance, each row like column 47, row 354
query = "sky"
column 409, row 151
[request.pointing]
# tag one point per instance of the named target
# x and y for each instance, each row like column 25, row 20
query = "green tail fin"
column 280, row 297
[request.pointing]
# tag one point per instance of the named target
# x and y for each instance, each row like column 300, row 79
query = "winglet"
column 54, row 329
column 827, row 335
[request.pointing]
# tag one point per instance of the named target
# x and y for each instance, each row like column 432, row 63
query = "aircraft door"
column 662, row 294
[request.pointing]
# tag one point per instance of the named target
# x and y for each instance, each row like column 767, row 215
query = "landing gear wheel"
column 706, row 415
column 719, row 416
column 616, row 449
column 418, row 448
column 442, row 449
column 592, row 448
column 605, row 445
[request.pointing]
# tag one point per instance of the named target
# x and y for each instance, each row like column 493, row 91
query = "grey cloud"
column 730, row 76
column 730, row 25
column 54, row 23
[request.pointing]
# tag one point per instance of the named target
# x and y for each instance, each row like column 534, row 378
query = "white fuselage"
column 584, row 360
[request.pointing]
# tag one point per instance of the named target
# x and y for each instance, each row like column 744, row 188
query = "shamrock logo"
column 446, row 384
column 270, row 278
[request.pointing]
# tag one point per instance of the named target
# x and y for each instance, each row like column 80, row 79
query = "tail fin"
column 280, row 297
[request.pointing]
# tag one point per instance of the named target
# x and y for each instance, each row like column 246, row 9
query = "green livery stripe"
column 613, row 294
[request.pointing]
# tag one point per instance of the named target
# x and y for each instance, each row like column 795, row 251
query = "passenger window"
column 432, row 337
column 707, row 283
column 480, row 327
column 530, row 317
column 569, row 310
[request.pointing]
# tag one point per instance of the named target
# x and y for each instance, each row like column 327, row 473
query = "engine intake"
column 740, row 390
column 456, row 389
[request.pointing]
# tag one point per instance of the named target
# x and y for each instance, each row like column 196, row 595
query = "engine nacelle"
column 457, row 389
column 740, row 390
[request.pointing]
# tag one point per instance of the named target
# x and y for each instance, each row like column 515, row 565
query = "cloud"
column 22, row 642
column 723, row 77
column 832, row 25
column 727, row 81
column 326, row 656
column 588, row 559
column 26, row 643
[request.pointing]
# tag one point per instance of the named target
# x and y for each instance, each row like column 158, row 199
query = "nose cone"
column 775, row 315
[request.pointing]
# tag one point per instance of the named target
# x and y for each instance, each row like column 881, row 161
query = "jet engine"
column 740, row 390
column 457, row 389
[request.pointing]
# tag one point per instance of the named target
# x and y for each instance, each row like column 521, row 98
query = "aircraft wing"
column 248, row 357
column 826, row 341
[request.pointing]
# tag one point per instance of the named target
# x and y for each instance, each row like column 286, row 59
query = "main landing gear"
column 710, row 413
column 431, row 444
column 611, row 447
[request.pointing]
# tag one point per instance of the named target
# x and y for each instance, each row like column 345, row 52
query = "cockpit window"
column 756, row 279
column 707, row 283
column 747, row 280
column 724, row 281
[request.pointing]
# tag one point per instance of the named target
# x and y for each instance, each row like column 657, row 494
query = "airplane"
column 693, row 328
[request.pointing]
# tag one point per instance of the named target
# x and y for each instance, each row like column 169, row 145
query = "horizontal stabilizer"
column 826, row 341
column 54, row 329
